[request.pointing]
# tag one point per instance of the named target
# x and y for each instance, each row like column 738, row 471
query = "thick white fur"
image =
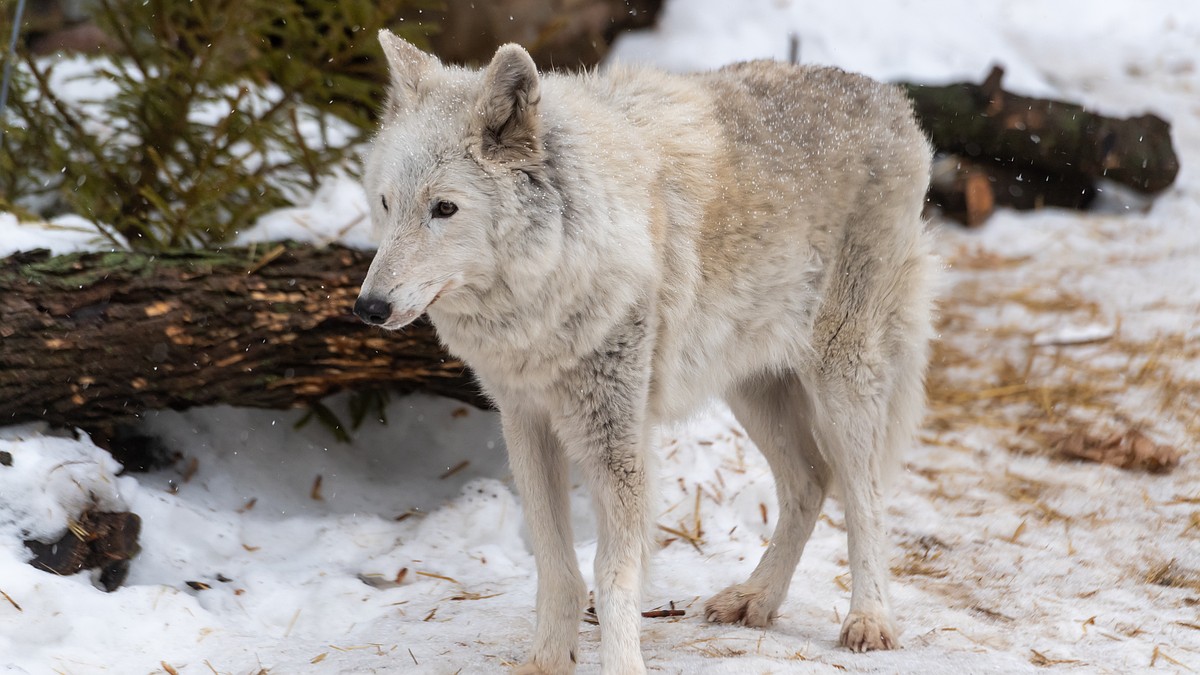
column 628, row 246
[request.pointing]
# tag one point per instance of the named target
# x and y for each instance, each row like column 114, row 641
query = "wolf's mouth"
column 402, row 320
column 405, row 318
column 440, row 293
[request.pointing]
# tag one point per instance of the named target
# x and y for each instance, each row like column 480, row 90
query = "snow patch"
column 48, row 480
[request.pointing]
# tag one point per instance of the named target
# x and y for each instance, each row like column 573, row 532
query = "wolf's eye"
column 383, row 200
column 444, row 209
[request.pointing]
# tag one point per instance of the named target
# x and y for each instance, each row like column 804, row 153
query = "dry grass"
column 1040, row 659
column 1172, row 575
column 992, row 374
column 922, row 557
column 1113, row 397
column 915, row 564
column 712, row 648
column 11, row 601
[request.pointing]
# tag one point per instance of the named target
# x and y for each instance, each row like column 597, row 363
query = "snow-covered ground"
column 1005, row 560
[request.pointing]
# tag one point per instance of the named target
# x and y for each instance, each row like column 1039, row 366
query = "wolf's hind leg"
column 867, row 433
column 868, row 404
column 852, row 431
column 775, row 411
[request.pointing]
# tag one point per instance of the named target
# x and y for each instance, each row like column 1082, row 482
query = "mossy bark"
column 101, row 337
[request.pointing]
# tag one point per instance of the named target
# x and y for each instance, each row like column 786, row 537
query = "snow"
column 403, row 560
column 52, row 478
column 64, row 234
column 340, row 197
column 1069, row 335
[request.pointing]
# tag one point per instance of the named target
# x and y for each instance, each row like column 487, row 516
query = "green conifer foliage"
column 212, row 113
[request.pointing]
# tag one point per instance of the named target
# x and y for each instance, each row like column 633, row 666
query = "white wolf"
column 610, row 251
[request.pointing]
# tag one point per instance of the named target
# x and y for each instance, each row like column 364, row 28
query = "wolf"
column 611, row 251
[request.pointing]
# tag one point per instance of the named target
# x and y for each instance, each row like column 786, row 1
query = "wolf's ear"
column 406, row 66
column 507, row 108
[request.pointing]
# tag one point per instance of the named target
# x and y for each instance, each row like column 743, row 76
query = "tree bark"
column 100, row 337
column 986, row 123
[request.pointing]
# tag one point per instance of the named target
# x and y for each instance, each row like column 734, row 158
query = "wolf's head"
column 455, row 178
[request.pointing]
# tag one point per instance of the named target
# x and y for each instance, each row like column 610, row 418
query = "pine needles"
column 213, row 113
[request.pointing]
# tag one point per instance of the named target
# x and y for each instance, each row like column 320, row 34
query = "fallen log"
column 983, row 122
column 95, row 338
column 968, row 191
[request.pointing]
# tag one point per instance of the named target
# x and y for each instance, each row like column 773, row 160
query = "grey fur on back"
column 627, row 246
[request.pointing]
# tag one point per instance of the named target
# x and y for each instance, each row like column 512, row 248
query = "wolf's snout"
column 374, row 311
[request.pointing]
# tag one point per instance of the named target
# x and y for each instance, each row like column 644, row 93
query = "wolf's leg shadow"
column 539, row 467
column 775, row 411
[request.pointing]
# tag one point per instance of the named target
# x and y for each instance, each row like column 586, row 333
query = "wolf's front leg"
column 618, row 484
column 603, row 425
column 540, row 471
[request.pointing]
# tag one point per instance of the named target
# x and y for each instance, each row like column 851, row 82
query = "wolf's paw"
column 867, row 632
column 742, row 603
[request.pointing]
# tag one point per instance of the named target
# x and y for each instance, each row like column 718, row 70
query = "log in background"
column 102, row 337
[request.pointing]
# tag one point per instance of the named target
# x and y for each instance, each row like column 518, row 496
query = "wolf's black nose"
column 372, row 310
